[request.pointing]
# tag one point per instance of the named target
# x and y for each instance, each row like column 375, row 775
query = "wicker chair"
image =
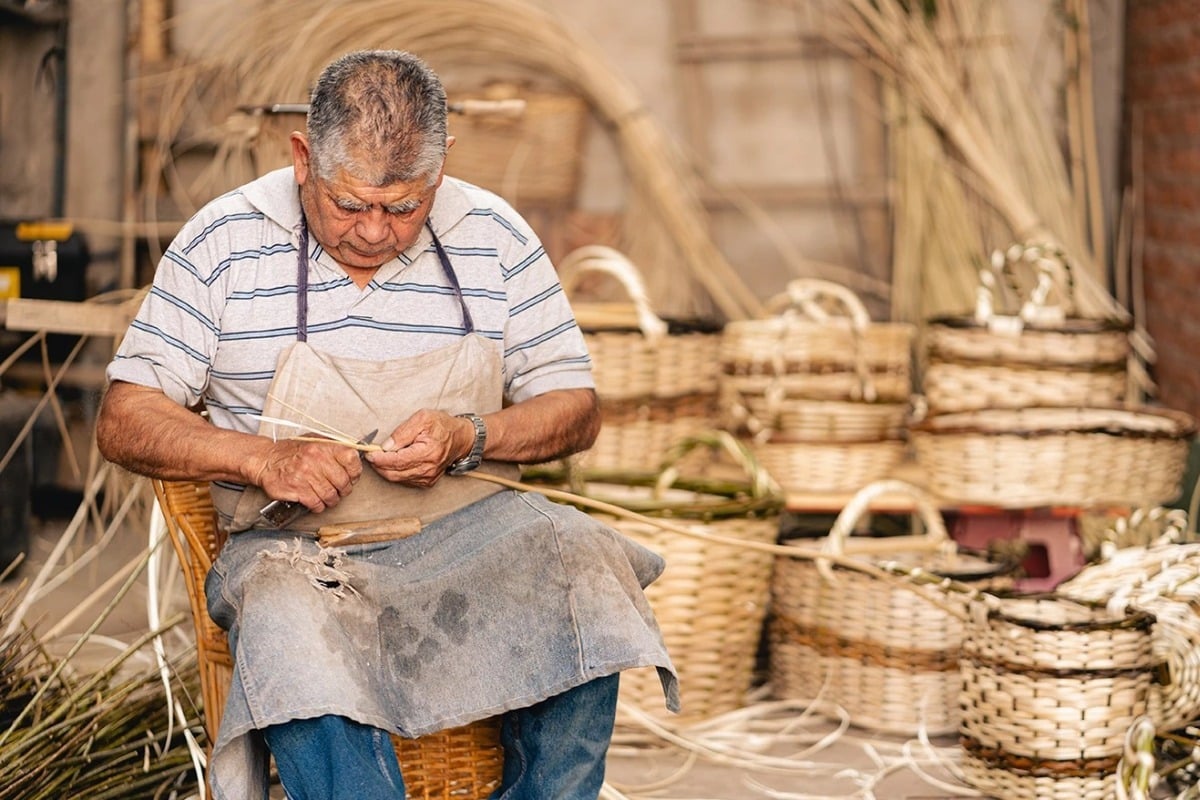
column 463, row 763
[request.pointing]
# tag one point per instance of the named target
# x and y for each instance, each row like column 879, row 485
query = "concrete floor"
column 764, row 751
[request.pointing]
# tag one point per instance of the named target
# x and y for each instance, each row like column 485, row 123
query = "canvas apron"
column 502, row 600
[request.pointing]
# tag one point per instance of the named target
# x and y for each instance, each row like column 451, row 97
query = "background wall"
column 1162, row 162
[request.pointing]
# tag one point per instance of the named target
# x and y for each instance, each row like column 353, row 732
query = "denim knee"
column 556, row 749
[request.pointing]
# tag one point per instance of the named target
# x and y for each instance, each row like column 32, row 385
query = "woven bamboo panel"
column 1050, row 688
column 1055, row 456
column 463, row 763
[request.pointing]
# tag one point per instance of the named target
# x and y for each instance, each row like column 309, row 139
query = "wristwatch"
column 474, row 458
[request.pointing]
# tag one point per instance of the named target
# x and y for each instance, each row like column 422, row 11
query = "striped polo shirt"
column 223, row 301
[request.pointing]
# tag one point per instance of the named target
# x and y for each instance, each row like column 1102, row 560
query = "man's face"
column 361, row 226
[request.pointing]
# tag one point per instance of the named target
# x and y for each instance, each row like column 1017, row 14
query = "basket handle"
column 802, row 296
column 935, row 538
column 607, row 260
column 1053, row 272
column 761, row 482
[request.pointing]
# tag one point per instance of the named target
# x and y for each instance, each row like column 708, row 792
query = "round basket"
column 1163, row 580
column 1035, row 356
column 884, row 651
column 1050, row 688
column 711, row 599
column 647, row 360
column 799, row 466
column 804, row 339
column 773, row 412
column 1054, row 456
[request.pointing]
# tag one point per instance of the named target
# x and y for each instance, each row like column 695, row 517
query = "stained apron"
column 502, row 600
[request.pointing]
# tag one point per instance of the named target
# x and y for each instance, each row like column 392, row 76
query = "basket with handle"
column 1026, row 457
column 462, row 762
column 1050, row 688
column 1038, row 355
column 1164, row 580
column 884, row 651
column 657, row 383
column 711, row 599
column 820, row 343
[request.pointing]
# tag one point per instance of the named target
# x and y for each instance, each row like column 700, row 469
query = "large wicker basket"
column 1055, row 456
column 460, row 763
column 820, row 343
column 884, row 651
column 1038, row 355
column 1050, row 688
column 711, row 599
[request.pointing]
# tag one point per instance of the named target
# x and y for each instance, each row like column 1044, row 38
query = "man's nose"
column 372, row 225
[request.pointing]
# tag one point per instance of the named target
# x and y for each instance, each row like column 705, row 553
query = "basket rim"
column 1070, row 325
column 1027, row 425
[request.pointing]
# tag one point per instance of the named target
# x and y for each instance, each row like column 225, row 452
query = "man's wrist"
column 474, row 456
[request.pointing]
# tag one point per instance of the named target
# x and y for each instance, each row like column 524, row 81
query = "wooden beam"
column 62, row 316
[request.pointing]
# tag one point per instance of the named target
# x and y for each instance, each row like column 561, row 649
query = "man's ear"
column 300, row 156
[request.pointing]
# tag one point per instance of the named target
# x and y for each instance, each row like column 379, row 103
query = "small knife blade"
column 279, row 514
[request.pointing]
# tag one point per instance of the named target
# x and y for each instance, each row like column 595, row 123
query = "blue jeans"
column 553, row 750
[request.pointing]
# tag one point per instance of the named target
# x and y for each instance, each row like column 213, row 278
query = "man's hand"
column 418, row 452
column 317, row 474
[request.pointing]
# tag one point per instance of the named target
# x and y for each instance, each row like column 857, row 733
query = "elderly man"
column 363, row 291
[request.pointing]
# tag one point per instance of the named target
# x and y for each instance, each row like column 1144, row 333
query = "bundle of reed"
column 994, row 170
column 104, row 736
column 275, row 50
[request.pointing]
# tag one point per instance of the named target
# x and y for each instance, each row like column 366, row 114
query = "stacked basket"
column 657, row 380
column 1050, row 688
column 819, row 391
column 881, row 648
column 1026, row 409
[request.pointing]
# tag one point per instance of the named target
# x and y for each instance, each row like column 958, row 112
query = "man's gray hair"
column 381, row 116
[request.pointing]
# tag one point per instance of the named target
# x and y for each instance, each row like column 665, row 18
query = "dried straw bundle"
column 977, row 157
column 274, row 51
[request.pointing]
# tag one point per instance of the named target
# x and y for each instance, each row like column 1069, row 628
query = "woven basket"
column 711, row 599
column 810, row 420
column 1050, row 688
column 799, row 466
column 464, row 762
column 1055, row 456
column 534, row 157
column 1163, row 580
column 647, row 360
column 637, row 434
column 1036, row 356
column 818, row 354
column 884, row 651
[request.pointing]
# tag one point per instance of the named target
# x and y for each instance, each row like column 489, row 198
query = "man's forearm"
column 544, row 428
column 146, row 432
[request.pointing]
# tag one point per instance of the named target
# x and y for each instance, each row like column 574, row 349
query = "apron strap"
column 468, row 323
column 302, row 282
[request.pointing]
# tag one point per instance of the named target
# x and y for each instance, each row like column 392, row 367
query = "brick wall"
column 1162, row 123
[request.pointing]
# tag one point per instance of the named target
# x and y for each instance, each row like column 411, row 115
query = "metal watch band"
column 474, row 458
